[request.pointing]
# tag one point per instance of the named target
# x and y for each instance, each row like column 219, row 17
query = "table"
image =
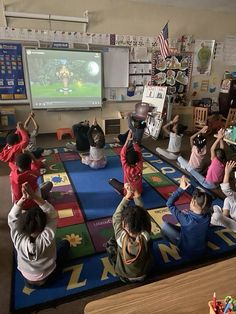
column 182, row 294
column 226, row 140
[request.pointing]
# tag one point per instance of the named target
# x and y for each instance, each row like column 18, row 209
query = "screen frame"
column 28, row 85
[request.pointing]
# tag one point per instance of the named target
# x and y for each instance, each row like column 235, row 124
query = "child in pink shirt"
column 198, row 144
column 215, row 172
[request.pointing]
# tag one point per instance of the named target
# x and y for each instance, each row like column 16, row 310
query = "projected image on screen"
column 64, row 79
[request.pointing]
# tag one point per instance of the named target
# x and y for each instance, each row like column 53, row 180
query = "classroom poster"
column 155, row 96
column 203, row 56
column 173, row 72
column 12, row 82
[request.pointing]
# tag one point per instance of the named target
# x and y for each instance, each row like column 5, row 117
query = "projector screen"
column 64, row 79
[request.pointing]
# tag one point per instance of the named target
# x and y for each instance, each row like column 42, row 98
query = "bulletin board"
column 12, row 81
column 173, row 72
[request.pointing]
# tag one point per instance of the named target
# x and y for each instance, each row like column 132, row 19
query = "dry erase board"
column 116, row 67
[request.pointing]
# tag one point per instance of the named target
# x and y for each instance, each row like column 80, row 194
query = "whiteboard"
column 116, row 67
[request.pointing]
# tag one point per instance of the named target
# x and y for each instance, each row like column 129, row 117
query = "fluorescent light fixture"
column 48, row 17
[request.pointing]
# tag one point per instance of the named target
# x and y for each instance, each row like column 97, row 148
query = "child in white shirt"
column 32, row 146
column 96, row 158
column 175, row 135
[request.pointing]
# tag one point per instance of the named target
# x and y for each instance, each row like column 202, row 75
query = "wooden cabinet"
column 111, row 126
column 7, row 118
column 7, row 122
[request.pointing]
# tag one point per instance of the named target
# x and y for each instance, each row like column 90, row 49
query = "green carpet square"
column 55, row 168
column 157, row 179
column 109, row 152
column 79, row 238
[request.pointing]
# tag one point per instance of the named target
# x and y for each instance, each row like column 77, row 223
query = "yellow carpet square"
column 158, row 214
column 65, row 213
column 148, row 168
column 58, row 179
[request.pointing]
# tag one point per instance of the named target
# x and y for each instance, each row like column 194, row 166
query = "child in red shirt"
column 132, row 164
column 28, row 170
column 15, row 144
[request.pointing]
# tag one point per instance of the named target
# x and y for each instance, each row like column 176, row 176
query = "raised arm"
column 203, row 130
column 90, row 136
column 165, row 127
column 48, row 234
column 116, row 218
column 36, row 126
column 219, row 139
column 225, row 186
column 124, row 149
column 180, row 216
column 20, row 130
column 130, row 124
column 27, row 121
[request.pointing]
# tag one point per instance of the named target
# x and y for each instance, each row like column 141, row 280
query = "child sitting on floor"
column 28, row 170
column 175, row 134
column 227, row 217
column 80, row 131
column 33, row 236
column 16, row 142
column 132, row 164
column 96, row 158
column 37, row 151
column 198, row 144
column 129, row 252
column 191, row 236
column 215, row 172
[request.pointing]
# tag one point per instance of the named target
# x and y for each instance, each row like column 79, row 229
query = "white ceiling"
column 228, row 6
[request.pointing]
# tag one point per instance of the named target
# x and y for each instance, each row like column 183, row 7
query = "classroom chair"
column 63, row 131
column 200, row 117
column 231, row 118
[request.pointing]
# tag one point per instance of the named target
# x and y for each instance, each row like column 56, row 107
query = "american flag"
column 163, row 40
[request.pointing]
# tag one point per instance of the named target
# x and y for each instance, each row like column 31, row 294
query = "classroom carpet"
column 85, row 203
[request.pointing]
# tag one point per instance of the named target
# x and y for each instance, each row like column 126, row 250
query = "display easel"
column 156, row 97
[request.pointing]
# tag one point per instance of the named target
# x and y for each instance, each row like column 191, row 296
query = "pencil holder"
column 212, row 310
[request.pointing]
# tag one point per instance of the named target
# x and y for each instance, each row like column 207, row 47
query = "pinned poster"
column 12, row 82
column 155, row 96
column 203, row 56
column 204, row 85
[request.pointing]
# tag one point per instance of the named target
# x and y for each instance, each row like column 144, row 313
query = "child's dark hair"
column 136, row 219
column 139, row 124
column 180, row 128
column 12, row 139
column 23, row 161
column 203, row 200
column 32, row 220
column 132, row 157
column 199, row 141
column 220, row 155
column 99, row 140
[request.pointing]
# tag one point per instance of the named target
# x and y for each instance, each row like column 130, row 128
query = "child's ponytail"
column 203, row 200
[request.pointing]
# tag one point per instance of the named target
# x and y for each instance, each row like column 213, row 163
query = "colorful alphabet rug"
column 85, row 203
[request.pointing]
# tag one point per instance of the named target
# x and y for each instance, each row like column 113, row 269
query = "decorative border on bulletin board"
column 174, row 71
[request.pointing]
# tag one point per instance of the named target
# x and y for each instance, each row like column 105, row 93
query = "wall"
column 119, row 17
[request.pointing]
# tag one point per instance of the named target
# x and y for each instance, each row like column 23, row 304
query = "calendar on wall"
column 173, row 72
column 12, row 82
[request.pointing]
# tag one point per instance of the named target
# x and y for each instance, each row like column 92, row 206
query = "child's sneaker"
column 43, row 171
column 46, row 152
column 71, row 146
